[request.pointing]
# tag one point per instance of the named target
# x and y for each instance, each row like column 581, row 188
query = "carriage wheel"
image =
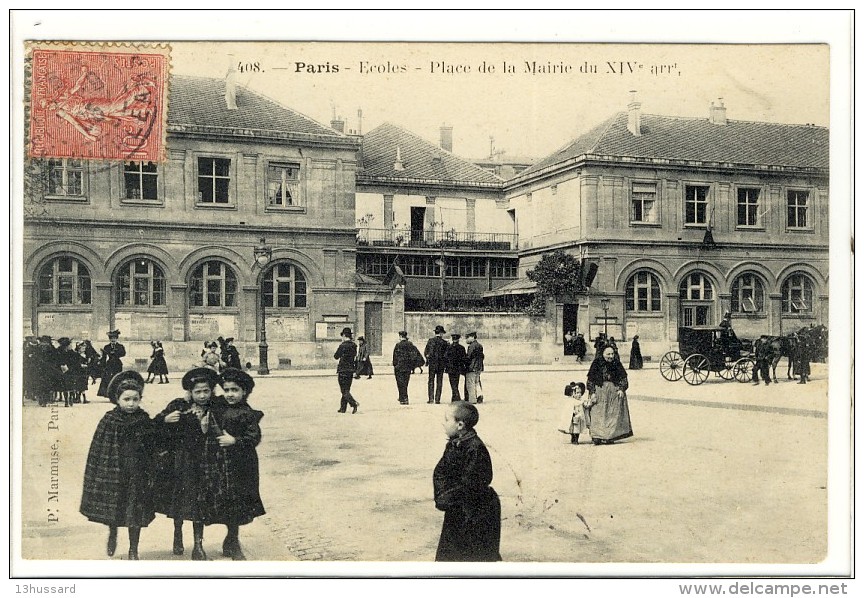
column 727, row 372
column 744, row 369
column 672, row 366
column 696, row 369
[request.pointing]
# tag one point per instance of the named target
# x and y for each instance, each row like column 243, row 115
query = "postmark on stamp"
column 99, row 103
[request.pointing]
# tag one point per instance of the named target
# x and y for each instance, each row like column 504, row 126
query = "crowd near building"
column 264, row 225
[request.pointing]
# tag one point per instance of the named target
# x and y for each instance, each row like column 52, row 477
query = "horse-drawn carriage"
column 706, row 349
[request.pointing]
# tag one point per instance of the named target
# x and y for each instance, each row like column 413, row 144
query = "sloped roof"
column 423, row 161
column 200, row 101
column 520, row 286
column 676, row 138
column 365, row 280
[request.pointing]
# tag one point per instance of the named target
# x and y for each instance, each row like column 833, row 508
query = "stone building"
column 687, row 218
column 437, row 220
column 167, row 250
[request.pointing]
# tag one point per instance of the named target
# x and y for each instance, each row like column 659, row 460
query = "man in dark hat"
column 112, row 363
column 230, row 354
column 67, row 361
column 436, row 347
column 454, row 365
column 406, row 357
column 475, row 359
column 346, row 353
column 579, row 347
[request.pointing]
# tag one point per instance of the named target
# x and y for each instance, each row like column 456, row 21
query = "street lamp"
column 441, row 264
column 605, row 303
column 262, row 253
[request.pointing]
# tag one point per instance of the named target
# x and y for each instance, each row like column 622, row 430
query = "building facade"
column 166, row 250
column 687, row 219
column 438, row 220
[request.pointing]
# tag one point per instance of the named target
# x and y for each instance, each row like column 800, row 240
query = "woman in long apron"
column 607, row 385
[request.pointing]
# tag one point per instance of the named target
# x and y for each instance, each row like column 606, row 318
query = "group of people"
column 603, row 340
column 220, row 354
column 439, row 357
column 451, row 358
column 574, row 344
column 604, row 412
column 64, row 372
column 471, row 530
column 194, row 461
column 798, row 347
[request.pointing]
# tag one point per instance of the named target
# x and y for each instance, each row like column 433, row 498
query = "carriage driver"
column 725, row 326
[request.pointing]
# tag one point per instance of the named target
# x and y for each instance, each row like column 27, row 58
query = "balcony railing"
column 385, row 237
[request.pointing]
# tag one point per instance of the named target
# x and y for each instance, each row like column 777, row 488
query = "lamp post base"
column 263, row 370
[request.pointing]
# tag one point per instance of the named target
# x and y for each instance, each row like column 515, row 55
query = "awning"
column 520, row 286
column 365, row 281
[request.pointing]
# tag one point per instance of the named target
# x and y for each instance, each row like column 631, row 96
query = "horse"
column 780, row 347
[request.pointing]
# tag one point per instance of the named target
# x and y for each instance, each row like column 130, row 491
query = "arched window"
column 213, row 285
column 284, row 286
column 643, row 292
column 748, row 294
column 797, row 292
column 696, row 287
column 140, row 282
column 64, row 281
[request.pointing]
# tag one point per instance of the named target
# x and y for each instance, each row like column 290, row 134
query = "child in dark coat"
column 158, row 365
column 241, row 500
column 181, row 475
column 117, row 476
column 210, row 467
column 472, row 510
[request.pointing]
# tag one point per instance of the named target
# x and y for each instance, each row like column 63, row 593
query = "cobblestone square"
column 718, row 473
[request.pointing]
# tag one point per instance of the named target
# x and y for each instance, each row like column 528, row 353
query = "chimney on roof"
column 446, row 138
column 231, row 89
column 338, row 124
column 397, row 165
column 717, row 113
column 359, row 121
column 634, row 115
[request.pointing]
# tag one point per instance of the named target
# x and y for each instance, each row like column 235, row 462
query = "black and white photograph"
column 301, row 303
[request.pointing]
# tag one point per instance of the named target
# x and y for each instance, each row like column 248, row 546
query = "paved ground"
column 720, row 473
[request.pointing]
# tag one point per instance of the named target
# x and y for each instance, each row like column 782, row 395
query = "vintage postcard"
column 529, row 307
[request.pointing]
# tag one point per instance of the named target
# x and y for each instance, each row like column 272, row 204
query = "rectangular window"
column 499, row 268
column 796, row 209
column 65, row 177
column 299, row 293
column 214, row 180
column 140, row 180
column 420, row 266
column 158, row 291
column 696, row 204
column 748, row 207
column 65, row 276
column 466, row 267
column 283, row 185
column 643, row 203
column 373, row 265
column 46, row 287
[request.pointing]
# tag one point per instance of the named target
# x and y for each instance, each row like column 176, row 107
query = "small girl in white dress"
column 574, row 417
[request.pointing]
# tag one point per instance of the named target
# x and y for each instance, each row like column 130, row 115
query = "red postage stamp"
column 102, row 105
